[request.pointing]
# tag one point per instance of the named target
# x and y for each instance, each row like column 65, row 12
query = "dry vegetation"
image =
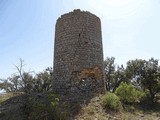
column 94, row 110
column 4, row 97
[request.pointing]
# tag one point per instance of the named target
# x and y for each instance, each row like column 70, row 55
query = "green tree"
column 119, row 76
column 134, row 71
column 145, row 74
column 42, row 81
column 114, row 74
column 5, row 85
column 151, row 77
column 109, row 72
column 27, row 81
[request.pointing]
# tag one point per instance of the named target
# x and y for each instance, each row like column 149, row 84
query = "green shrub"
column 128, row 93
column 112, row 102
column 44, row 107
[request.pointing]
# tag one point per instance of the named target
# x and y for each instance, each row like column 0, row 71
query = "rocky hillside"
column 95, row 111
column 40, row 107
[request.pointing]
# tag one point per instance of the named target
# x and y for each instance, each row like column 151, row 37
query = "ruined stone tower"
column 78, row 53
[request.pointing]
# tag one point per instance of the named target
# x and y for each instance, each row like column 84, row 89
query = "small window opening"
column 86, row 42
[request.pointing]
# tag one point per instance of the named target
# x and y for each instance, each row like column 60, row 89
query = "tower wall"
column 78, row 53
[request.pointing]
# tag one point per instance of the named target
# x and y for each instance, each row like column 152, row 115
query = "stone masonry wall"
column 78, row 53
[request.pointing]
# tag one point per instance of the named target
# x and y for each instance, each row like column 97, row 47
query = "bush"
column 128, row 94
column 43, row 107
column 112, row 102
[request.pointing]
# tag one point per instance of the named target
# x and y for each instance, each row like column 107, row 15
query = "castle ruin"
column 78, row 54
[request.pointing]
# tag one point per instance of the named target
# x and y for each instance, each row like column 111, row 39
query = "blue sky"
column 130, row 30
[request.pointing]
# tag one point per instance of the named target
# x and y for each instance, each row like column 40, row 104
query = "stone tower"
column 78, row 53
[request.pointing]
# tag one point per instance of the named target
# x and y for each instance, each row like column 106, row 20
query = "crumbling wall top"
column 75, row 12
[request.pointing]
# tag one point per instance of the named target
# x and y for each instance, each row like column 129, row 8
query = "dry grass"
column 6, row 96
column 95, row 111
column 92, row 111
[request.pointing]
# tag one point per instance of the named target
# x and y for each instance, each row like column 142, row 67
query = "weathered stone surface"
column 78, row 54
